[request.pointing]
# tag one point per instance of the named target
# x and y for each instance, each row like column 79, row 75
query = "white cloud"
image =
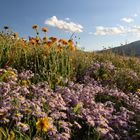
column 61, row 24
column 128, row 20
column 135, row 30
column 68, row 19
column 101, row 30
column 119, row 30
column 135, row 15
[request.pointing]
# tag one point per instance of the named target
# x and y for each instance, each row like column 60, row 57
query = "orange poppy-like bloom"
column 25, row 43
column 70, row 41
column 32, row 41
column 73, row 48
column 45, row 39
column 49, row 43
column 63, row 41
column 37, row 39
column 45, row 29
column 43, row 124
column 35, row 26
column 53, row 39
column 45, row 46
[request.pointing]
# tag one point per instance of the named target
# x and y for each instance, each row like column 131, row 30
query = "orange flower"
column 45, row 29
column 63, row 41
column 45, row 39
column 59, row 48
column 70, row 41
column 53, row 39
column 35, row 26
column 25, row 43
column 37, row 39
column 73, row 48
column 49, row 43
column 45, row 46
column 32, row 41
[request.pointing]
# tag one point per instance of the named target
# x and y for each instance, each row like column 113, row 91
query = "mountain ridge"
column 131, row 49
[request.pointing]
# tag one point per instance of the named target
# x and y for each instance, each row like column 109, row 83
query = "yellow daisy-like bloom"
column 138, row 90
column 24, row 82
column 35, row 26
column 12, row 73
column 45, row 29
column 17, row 114
column 43, row 124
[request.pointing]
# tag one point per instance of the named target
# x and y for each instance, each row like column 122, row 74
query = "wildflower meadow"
column 51, row 90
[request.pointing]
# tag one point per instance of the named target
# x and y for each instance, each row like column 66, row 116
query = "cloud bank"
column 128, row 20
column 62, row 24
column 101, row 30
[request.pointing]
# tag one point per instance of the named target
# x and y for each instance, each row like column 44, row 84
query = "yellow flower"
column 43, row 124
column 17, row 114
column 12, row 73
column 24, row 82
column 45, row 29
column 12, row 135
column 138, row 90
column 35, row 26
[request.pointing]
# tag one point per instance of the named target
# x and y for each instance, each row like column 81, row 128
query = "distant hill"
column 131, row 49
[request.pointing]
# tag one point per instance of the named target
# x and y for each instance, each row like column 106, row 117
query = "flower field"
column 50, row 90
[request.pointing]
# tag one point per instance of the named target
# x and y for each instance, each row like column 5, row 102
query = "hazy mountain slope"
column 128, row 49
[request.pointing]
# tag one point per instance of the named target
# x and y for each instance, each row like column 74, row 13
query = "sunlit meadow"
column 50, row 90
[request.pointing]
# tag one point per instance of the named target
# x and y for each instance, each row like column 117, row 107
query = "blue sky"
column 98, row 23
